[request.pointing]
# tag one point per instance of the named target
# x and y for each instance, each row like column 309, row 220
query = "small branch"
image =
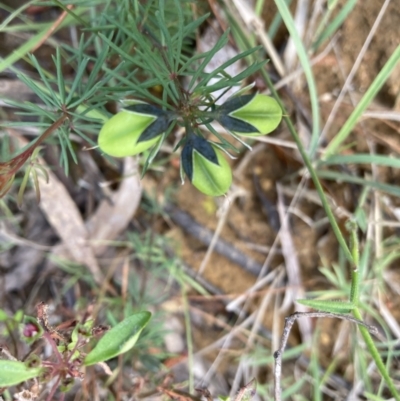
column 9, row 168
column 289, row 321
column 56, row 24
column 205, row 235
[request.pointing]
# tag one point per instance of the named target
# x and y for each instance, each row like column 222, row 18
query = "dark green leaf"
column 236, row 125
column 155, row 129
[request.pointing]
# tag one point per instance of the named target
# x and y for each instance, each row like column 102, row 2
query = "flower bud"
column 205, row 166
column 133, row 130
column 250, row 115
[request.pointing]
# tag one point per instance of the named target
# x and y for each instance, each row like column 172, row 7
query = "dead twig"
column 289, row 321
column 56, row 24
column 206, row 236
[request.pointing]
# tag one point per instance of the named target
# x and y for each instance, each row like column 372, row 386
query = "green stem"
column 355, row 285
column 376, row 357
column 311, row 170
column 355, row 251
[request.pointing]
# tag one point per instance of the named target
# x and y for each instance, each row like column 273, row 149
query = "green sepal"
column 235, row 103
column 202, row 146
column 250, row 115
column 133, row 130
column 205, row 166
column 238, row 126
column 328, row 305
column 145, row 108
column 153, row 153
column 155, row 129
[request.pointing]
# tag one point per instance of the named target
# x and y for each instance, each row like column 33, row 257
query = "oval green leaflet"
column 15, row 372
column 133, row 130
column 250, row 115
column 120, row 339
column 205, row 166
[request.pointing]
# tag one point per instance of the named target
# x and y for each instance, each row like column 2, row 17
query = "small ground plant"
column 129, row 41
column 68, row 344
column 154, row 45
column 139, row 87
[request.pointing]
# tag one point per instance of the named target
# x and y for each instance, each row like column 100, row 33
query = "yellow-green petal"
column 119, row 135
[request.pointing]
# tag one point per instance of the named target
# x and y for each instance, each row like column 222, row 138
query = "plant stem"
column 53, row 127
column 311, row 170
column 355, row 251
column 355, row 286
column 376, row 357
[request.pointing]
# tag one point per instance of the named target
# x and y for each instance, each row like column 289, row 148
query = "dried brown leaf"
column 113, row 215
column 64, row 216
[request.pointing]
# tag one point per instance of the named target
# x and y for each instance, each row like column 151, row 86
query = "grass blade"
column 364, row 102
column 305, row 63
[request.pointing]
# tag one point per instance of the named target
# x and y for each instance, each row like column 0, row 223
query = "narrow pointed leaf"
column 145, row 108
column 187, row 159
column 247, row 392
column 250, row 115
column 154, row 130
column 237, row 126
column 236, row 103
column 204, row 148
column 328, row 305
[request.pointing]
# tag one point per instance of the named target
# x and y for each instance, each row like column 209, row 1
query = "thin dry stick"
column 260, row 313
column 353, row 71
column 300, row 20
column 255, row 24
column 295, row 287
column 289, row 321
column 247, row 392
column 222, row 23
column 300, row 188
column 124, row 292
column 224, row 343
column 359, row 386
column 236, row 193
column 56, row 24
column 260, row 283
column 316, row 12
column 270, row 255
column 299, row 71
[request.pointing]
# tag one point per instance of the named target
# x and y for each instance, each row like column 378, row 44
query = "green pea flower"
column 133, row 130
column 250, row 115
column 205, row 166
